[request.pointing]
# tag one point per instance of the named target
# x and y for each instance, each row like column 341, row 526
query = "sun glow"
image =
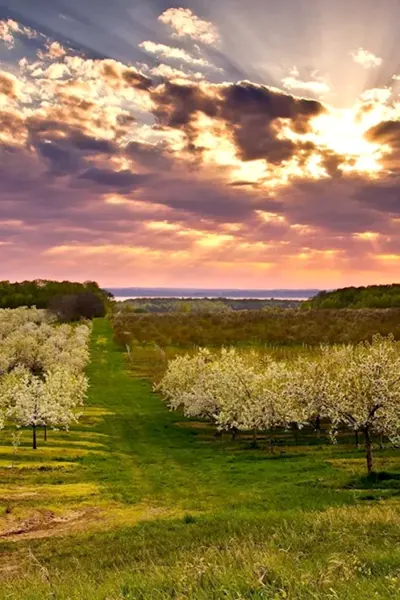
column 369, row 236
column 219, row 149
column 342, row 133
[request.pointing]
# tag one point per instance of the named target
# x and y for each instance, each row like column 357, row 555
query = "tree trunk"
column 271, row 445
column 356, row 438
column 234, row 433
column 295, row 430
column 368, row 450
column 254, row 443
column 381, row 441
column 34, row 442
column 45, row 433
column 318, row 426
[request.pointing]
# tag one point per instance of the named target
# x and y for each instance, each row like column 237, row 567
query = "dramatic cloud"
column 366, row 59
column 186, row 24
column 172, row 165
column 245, row 115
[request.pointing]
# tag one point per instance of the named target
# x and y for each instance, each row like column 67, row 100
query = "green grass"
column 135, row 503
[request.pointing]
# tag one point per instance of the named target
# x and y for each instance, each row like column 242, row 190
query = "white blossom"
column 42, row 381
column 353, row 386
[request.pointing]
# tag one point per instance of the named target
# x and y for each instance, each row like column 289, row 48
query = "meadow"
column 136, row 502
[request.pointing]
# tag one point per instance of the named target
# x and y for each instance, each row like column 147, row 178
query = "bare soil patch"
column 46, row 523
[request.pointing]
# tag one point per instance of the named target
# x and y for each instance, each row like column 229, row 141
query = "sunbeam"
column 162, row 135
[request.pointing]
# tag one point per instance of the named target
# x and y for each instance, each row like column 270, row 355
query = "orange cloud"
column 53, row 50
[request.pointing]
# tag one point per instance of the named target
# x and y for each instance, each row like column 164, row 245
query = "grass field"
column 135, row 502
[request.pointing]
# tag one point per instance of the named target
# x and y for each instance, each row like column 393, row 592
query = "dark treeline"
column 203, row 305
column 372, row 296
column 70, row 300
column 275, row 326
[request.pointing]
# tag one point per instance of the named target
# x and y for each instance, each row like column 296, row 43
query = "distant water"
column 277, row 294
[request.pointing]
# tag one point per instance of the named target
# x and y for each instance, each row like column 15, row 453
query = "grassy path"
column 156, row 456
column 168, row 511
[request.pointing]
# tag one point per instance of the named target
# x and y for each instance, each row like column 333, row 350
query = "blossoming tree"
column 353, row 386
column 365, row 391
column 42, row 381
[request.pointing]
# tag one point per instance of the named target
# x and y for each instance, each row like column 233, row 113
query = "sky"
column 200, row 144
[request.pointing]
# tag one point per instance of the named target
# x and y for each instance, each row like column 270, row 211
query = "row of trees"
column 42, row 380
column 201, row 305
column 372, row 296
column 357, row 387
column 274, row 326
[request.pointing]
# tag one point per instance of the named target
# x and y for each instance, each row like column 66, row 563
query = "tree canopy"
column 42, row 292
column 372, row 296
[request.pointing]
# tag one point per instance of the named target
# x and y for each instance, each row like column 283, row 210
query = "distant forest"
column 42, row 292
column 372, row 296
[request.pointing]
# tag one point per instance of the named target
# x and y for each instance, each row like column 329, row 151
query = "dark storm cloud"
column 67, row 154
column 176, row 104
column 62, row 160
column 87, row 143
column 251, row 111
column 115, row 179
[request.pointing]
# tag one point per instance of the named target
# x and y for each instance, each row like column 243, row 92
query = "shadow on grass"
column 265, row 455
column 381, row 480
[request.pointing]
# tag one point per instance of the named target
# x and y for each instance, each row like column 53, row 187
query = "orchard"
column 350, row 386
